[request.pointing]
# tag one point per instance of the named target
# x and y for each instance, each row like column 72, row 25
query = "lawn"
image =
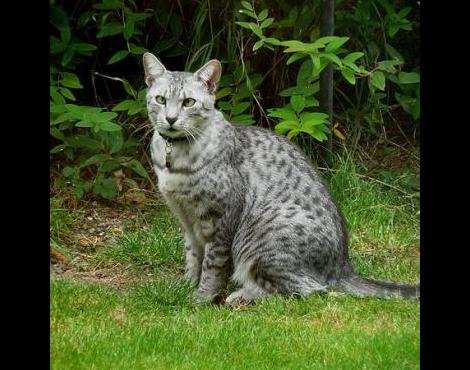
column 150, row 321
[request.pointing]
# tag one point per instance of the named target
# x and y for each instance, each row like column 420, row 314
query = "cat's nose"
column 171, row 120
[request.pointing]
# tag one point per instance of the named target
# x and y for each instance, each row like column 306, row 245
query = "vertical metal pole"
column 327, row 26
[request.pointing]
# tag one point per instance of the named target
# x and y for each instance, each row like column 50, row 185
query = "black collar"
column 173, row 139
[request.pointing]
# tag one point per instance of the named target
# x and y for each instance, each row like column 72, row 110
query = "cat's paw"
column 201, row 297
column 237, row 297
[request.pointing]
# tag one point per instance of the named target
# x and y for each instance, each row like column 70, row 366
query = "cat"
column 249, row 202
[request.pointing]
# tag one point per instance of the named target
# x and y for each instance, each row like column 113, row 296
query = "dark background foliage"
column 99, row 128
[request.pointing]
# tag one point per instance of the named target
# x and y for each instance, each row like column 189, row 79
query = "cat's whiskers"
column 194, row 134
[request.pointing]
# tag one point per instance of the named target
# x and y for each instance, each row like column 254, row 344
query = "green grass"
column 156, row 248
column 60, row 221
column 156, row 325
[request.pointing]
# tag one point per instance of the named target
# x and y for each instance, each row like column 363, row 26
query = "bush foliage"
column 98, row 115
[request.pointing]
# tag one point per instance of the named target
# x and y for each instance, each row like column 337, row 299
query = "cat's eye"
column 160, row 99
column 189, row 102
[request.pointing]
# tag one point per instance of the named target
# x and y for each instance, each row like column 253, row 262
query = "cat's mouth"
column 172, row 133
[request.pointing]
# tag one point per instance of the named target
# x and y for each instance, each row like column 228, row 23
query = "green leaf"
column 297, row 102
column 256, row 29
column 56, row 96
column 333, row 58
column 311, row 102
column 285, row 113
column 65, row 35
column 298, row 90
column 409, row 105
column 138, row 108
column 245, row 119
column 85, row 123
column 294, row 44
column 56, row 133
column 110, row 29
column 56, row 46
column 408, row 77
column 249, row 13
column 109, row 126
column 315, row 132
column 304, row 76
column 393, row 53
column 96, row 159
column 124, row 105
column 352, row 57
column 129, row 28
column 322, row 41
column 71, row 172
column 118, row 56
column 240, row 108
column 57, row 149
column 104, row 116
column 351, row 66
column 294, row 57
column 83, row 141
column 348, row 75
column 247, row 5
column 315, row 61
column 285, row 126
column 137, row 167
column 137, row 50
column 83, row 47
column 257, row 45
column 130, row 90
column 224, row 105
column 108, row 166
column 266, row 23
column 388, row 65
column 404, row 12
column 293, row 133
column 378, row 80
column 336, row 44
column 67, row 57
column 58, row 108
column 244, row 25
column 262, row 15
column 105, row 187
column 59, row 18
column 313, row 119
column 271, row 40
column 70, row 80
column 67, row 93
column 223, row 92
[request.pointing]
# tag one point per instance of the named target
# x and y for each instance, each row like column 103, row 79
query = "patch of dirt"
column 116, row 276
column 100, row 224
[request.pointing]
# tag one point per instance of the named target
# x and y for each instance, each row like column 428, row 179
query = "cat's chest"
column 175, row 185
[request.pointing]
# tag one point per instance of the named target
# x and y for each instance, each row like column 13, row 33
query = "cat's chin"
column 172, row 133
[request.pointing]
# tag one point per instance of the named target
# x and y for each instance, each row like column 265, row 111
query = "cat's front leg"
column 215, row 266
column 193, row 254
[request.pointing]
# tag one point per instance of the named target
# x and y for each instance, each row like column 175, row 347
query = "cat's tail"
column 363, row 287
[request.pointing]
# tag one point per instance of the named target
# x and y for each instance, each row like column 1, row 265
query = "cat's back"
column 271, row 161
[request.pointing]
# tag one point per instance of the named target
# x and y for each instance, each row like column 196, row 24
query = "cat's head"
column 180, row 103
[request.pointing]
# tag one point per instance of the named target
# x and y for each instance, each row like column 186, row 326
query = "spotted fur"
column 250, row 203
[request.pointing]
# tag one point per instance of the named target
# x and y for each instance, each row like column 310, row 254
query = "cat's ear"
column 152, row 67
column 210, row 74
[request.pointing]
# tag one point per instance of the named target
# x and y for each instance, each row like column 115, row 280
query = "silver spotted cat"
column 249, row 202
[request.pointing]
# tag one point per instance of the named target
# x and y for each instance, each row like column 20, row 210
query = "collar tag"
column 168, row 150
